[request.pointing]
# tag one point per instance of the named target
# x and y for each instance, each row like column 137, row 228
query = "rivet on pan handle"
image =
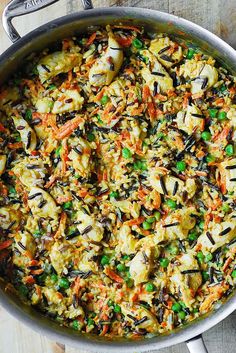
column 17, row 8
column 197, row 345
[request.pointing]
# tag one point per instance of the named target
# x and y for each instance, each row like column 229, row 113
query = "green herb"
column 28, row 114
column 67, row 205
column 210, row 158
column 126, row 153
column 91, row 137
column 200, row 257
column 104, row 99
column 176, row 307
column 117, row 308
column 114, row 194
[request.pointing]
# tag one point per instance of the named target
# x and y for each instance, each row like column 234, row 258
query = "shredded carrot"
column 2, row 128
column 124, row 42
column 5, row 244
column 63, row 199
column 113, row 275
column 29, row 280
column 132, row 28
column 135, row 221
column 51, row 181
column 91, row 39
column 62, row 225
column 15, row 145
column 67, row 129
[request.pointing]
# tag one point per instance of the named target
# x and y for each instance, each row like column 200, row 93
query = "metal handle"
column 17, row 8
column 197, row 345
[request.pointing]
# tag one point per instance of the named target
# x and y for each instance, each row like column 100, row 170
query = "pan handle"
column 197, row 345
column 17, row 8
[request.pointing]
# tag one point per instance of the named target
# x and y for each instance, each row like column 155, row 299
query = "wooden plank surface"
column 218, row 16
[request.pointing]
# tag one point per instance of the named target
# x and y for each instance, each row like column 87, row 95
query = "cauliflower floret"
column 3, row 160
column 190, row 119
column 140, row 266
column 27, row 134
column 57, row 63
column 126, row 241
column 106, row 68
column 89, row 227
column 157, row 76
column 42, row 204
column 9, row 215
column 44, row 105
column 157, row 47
column 186, row 283
column 73, row 312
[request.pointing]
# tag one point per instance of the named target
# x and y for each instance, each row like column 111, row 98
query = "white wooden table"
column 219, row 16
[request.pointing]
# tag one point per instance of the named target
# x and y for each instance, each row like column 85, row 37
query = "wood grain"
column 218, row 16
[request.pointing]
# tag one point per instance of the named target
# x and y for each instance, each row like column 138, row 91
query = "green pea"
column 195, row 310
column 229, row 150
column 37, row 233
column 223, row 88
column 76, row 325
column 90, row 322
column 200, row 256
column 28, row 114
column 182, row 315
column 23, row 290
column 140, row 165
column 121, row 267
column 222, row 115
column 129, row 282
column 149, row 287
column 233, row 274
column 91, row 137
column 99, row 119
column 114, row 194
column 206, row 135
column 67, row 205
column 58, row 151
column 164, row 262
column 225, row 207
column 54, row 278
column 190, row 53
column 208, row 257
column 210, row 158
column 104, row 99
column 151, row 220
column 64, row 283
column 146, row 225
column 192, row 236
column 201, row 225
column 126, row 153
column 105, row 260
column 174, row 250
column 213, row 112
column 137, row 43
column 117, row 308
column 171, row 204
column 12, row 190
column 18, row 138
column 51, row 87
column 181, row 166
column 126, row 257
column 205, row 275
column 176, row 307
column 157, row 215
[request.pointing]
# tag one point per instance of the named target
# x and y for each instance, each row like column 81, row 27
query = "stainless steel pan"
column 42, row 37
